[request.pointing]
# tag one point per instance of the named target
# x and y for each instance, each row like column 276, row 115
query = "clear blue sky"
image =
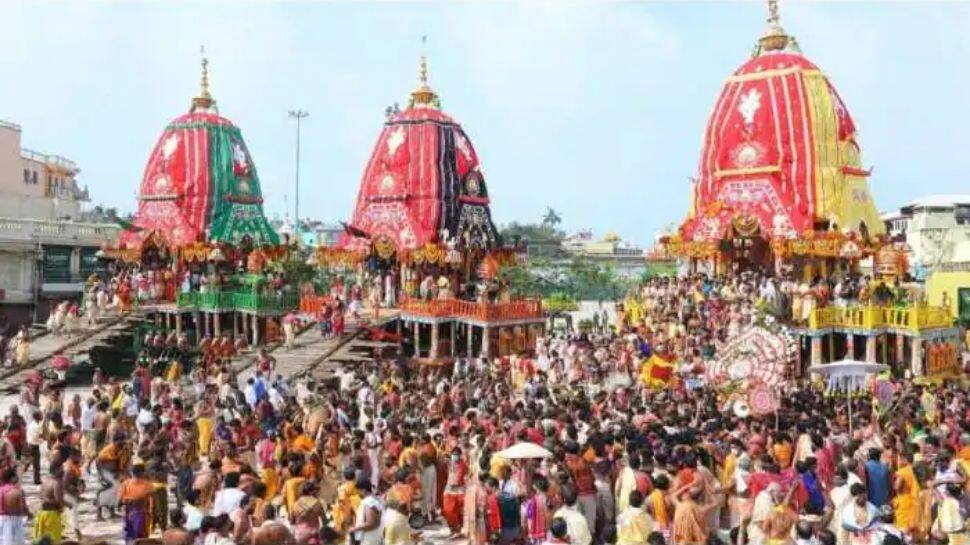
column 593, row 108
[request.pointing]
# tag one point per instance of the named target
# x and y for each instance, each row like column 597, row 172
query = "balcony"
column 913, row 319
column 523, row 309
column 54, row 232
column 226, row 301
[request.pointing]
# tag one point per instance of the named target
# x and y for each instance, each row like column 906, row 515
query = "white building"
column 626, row 258
column 46, row 251
column 313, row 233
column 936, row 229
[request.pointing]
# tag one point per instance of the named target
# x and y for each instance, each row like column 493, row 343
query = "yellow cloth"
column 782, row 453
column 204, row 424
column 345, row 506
column 117, row 402
column 271, row 478
column 291, row 491
column 906, row 500
column 174, row 371
column 495, row 466
column 727, row 470
column 50, row 524
column 406, row 456
column 301, row 443
column 633, row 526
column 659, row 506
column 652, row 379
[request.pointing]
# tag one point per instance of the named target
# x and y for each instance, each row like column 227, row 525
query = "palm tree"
column 551, row 218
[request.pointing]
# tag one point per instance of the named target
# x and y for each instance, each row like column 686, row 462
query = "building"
column 47, row 249
column 313, row 233
column 937, row 230
column 625, row 258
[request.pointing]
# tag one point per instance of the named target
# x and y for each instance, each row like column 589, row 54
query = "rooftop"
column 50, row 160
column 9, row 125
column 942, row 200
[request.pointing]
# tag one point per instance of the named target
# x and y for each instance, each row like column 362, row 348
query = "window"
column 962, row 215
column 34, row 177
column 963, row 305
column 26, row 175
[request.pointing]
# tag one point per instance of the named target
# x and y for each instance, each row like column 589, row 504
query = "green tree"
column 551, row 218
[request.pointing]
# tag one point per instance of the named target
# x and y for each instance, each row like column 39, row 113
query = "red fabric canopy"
column 779, row 153
column 423, row 177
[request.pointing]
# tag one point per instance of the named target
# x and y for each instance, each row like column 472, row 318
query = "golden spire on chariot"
column 204, row 101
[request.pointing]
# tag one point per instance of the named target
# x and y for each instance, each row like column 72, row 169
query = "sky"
column 595, row 109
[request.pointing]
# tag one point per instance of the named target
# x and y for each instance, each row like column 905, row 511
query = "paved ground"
column 310, row 355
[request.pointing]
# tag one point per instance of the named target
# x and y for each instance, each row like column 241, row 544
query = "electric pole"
column 298, row 115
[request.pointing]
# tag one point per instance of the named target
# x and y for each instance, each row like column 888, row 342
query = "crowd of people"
column 389, row 446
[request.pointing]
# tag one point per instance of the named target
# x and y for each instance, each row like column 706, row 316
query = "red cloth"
column 452, row 508
column 175, row 188
column 763, row 119
column 408, row 190
column 493, row 518
column 644, row 485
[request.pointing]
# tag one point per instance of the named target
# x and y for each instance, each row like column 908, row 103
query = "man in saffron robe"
column 348, row 499
column 690, row 517
column 112, row 464
column 135, row 495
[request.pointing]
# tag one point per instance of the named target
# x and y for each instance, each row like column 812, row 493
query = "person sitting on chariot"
column 182, row 342
column 206, row 349
column 240, row 344
column 171, row 340
column 223, row 347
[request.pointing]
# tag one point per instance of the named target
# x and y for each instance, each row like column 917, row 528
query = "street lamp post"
column 298, row 115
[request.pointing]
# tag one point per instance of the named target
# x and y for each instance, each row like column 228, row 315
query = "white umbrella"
column 848, row 375
column 524, row 451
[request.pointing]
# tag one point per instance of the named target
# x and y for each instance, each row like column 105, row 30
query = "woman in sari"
column 136, row 496
column 906, row 500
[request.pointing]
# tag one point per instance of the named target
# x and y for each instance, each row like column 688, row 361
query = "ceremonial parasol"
column 849, row 376
column 524, row 451
column 61, row 362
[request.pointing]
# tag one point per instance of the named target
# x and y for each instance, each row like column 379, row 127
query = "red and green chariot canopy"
column 200, row 183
